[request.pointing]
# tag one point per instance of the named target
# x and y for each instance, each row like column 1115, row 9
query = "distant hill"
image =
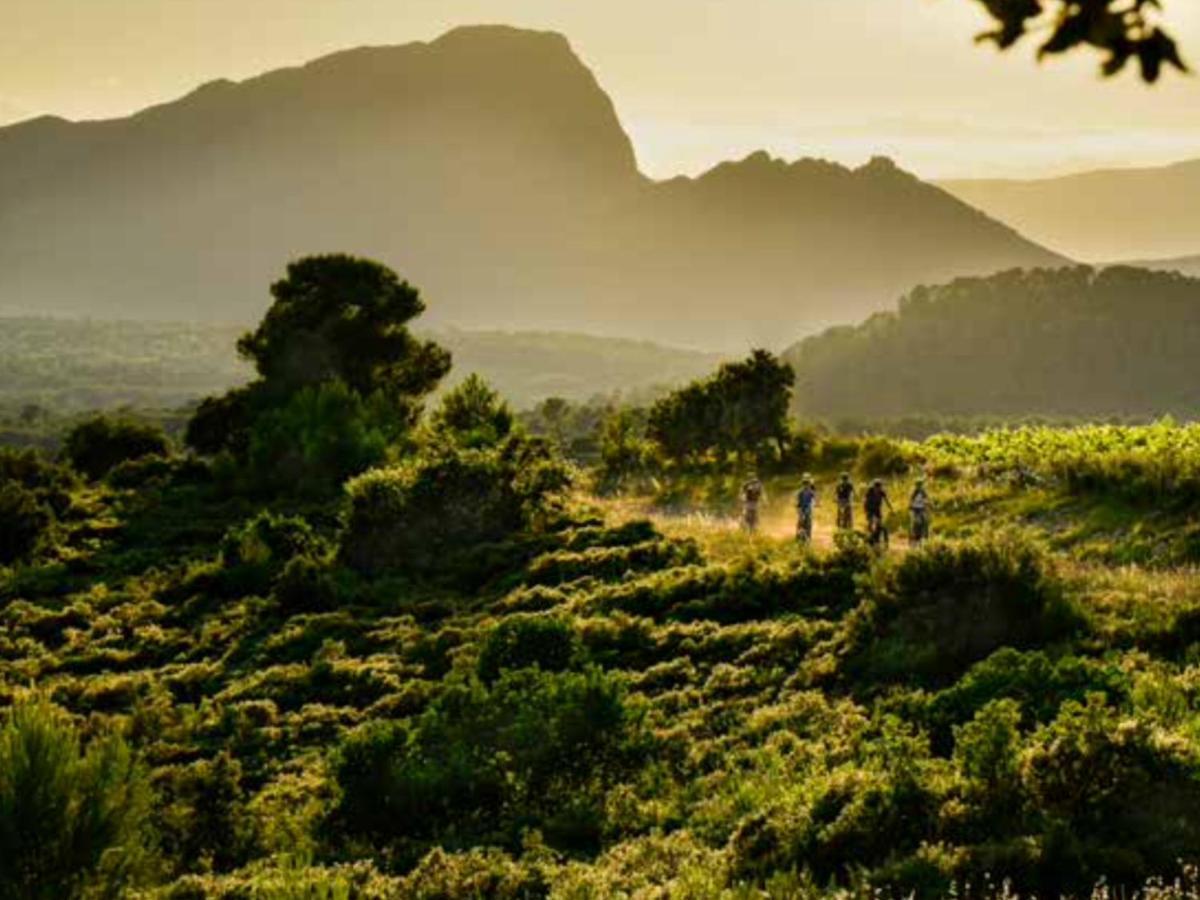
column 72, row 365
column 1186, row 265
column 1101, row 216
column 490, row 168
column 1066, row 342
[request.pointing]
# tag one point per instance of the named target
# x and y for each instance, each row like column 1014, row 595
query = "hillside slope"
column 1100, row 216
column 1068, row 342
column 491, row 169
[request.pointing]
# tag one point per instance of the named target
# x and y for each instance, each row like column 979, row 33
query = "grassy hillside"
column 1068, row 342
column 594, row 709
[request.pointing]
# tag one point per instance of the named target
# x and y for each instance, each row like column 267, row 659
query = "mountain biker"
column 918, row 508
column 845, row 502
column 753, row 493
column 806, row 500
column 873, row 504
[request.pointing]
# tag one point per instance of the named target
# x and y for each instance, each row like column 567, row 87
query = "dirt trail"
column 777, row 522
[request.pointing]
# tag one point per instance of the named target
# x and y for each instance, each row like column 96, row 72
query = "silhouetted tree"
column 99, row 444
column 335, row 318
column 341, row 317
column 739, row 410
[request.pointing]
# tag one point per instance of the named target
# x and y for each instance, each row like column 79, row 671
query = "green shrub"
column 473, row 415
column 522, row 641
column 307, row 585
column 98, row 445
column 423, row 514
column 987, row 749
column 256, row 551
column 880, row 457
column 946, row 606
column 611, row 563
column 1117, row 800
column 141, row 472
column 320, row 437
column 24, row 523
column 72, row 820
column 482, row 763
column 32, row 470
column 1036, row 682
column 201, row 814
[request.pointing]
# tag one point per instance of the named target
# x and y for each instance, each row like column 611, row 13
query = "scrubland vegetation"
column 347, row 646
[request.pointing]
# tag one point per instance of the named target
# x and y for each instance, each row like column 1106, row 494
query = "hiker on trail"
column 753, row 493
column 873, row 504
column 918, row 508
column 806, row 500
column 845, row 502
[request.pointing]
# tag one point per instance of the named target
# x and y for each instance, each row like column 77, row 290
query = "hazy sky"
column 695, row 81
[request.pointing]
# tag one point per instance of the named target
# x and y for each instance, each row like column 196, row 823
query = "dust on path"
column 777, row 522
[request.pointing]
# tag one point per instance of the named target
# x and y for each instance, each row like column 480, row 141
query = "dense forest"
column 357, row 639
column 1067, row 342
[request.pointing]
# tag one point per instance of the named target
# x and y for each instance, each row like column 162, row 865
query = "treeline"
column 63, row 367
column 1073, row 342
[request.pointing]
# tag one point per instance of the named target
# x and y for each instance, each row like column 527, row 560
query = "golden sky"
column 695, row 81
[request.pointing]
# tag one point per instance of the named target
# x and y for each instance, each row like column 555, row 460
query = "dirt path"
column 777, row 523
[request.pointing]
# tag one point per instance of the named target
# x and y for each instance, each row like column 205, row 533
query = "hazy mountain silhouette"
column 1185, row 265
column 490, row 169
column 1101, row 216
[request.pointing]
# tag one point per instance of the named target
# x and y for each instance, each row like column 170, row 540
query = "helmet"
column 845, row 476
column 878, row 482
column 807, row 478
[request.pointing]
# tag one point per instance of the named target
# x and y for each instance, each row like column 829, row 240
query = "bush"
column 423, row 514
column 24, row 522
column 946, row 606
column 72, row 821
column 522, row 641
column 98, row 445
column 307, row 585
column 201, row 814
column 484, row 763
column 1036, row 682
column 881, row 458
column 256, row 551
column 31, row 470
column 1118, row 801
column 473, row 415
column 320, row 437
column 140, row 473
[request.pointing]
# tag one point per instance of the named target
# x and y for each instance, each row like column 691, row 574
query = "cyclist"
column 806, row 500
column 918, row 508
column 753, row 493
column 876, row 498
column 845, row 502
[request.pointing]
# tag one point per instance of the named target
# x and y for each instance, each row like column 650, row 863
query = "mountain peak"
column 490, row 168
